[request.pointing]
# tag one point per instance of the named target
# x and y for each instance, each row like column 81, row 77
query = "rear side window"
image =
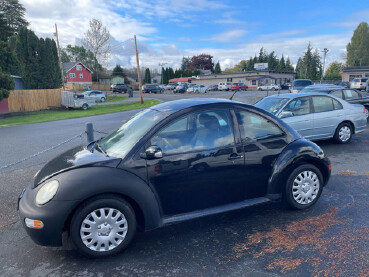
column 337, row 93
column 322, row 104
column 350, row 94
column 255, row 127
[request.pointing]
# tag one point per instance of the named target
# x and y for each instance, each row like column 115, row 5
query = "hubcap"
column 305, row 187
column 344, row 133
column 104, row 229
column 367, row 113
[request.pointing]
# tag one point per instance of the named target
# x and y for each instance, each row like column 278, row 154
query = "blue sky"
column 228, row 30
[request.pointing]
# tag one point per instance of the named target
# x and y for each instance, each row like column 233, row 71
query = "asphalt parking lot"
column 330, row 239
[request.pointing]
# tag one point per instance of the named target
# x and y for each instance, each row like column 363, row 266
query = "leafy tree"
column 184, row 63
column 333, row 71
column 203, row 61
column 358, row 47
column 6, row 84
column 13, row 12
column 217, row 68
column 118, row 71
column 80, row 54
column 147, row 79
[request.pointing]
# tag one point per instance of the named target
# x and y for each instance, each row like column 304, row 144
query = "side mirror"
column 285, row 114
column 151, row 153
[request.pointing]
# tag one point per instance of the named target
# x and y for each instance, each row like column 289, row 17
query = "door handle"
column 235, row 157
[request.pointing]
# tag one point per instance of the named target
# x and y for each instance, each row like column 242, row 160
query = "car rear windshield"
column 271, row 104
column 302, row 83
column 122, row 140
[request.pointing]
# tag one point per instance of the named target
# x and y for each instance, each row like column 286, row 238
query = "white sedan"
column 198, row 89
column 269, row 87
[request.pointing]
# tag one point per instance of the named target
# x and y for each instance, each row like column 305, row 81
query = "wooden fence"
column 94, row 86
column 34, row 100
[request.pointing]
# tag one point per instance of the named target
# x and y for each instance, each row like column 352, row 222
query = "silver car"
column 316, row 116
column 98, row 95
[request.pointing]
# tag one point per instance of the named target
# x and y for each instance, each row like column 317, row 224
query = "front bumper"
column 53, row 215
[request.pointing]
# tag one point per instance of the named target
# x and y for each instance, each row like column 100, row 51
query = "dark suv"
column 122, row 88
column 149, row 88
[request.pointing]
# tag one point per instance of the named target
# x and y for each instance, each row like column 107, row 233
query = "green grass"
column 112, row 98
column 52, row 115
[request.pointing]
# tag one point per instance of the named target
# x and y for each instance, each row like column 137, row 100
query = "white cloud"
column 228, row 36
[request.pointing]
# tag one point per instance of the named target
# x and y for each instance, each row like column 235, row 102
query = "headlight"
column 47, row 192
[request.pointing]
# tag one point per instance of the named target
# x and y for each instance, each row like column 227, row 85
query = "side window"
column 195, row 132
column 337, row 105
column 350, row 94
column 256, row 127
column 300, row 106
column 337, row 93
column 322, row 104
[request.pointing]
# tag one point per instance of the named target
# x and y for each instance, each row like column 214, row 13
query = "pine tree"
column 358, row 47
column 147, row 79
column 217, row 68
column 289, row 66
column 118, row 71
column 5, row 30
column 282, row 64
column 299, row 69
column 263, row 56
column 13, row 12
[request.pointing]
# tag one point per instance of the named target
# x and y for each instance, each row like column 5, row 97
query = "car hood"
column 74, row 158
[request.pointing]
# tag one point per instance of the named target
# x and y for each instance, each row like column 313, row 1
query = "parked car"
column 172, row 162
column 181, row 88
column 224, row 86
column 212, row 88
column 344, row 84
column 150, row 88
column 350, row 95
column 197, row 89
column 239, row 86
column 97, row 94
column 122, row 88
column 269, row 87
column 286, row 86
column 163, row 87
column 299, row 84
column 317, row 116
column 359, row 83
column 172, row 86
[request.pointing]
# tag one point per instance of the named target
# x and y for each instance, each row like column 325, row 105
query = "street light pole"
column 325, row 50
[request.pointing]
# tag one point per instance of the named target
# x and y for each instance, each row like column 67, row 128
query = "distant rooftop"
column 355, row 68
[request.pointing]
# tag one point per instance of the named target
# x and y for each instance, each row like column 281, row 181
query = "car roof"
column 181, row 104
column 295, row 95
column 324, row 87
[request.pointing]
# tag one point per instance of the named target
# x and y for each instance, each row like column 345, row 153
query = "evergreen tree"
column 272, row 61
column 358, row 47
column 8, row 59
column 147, row 79
column 164, row 76
column 217, row 68
column 118, row 71
column 6, row 84
column 289, row 66
column 13, row 12
column 184, row 63
column 5, row 30
column 282, row 64
column 299, row 69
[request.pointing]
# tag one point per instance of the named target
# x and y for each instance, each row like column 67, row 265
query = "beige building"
column 252, row 79
column 349, row 73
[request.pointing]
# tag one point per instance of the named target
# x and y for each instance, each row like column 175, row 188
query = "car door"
column 298, row 114
column 201, row 166
column 328, row 113
column 262, row 141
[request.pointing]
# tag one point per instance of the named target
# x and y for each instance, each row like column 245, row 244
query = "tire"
column 124, row 232
column 343, row 133
column 259, row 89
column 304, row 195
column 84, row 106
column 367, row 112
column 103, row 99
column 273, row 89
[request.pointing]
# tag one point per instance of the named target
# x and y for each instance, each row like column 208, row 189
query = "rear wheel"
column 343, row 133
column 273, row 89
column 84, row 107
column 304, row 187
column 259, row 89
column 367, row 112
column 103, row 99
column 103, row 226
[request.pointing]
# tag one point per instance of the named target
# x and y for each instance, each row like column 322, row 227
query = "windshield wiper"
column 101, row 149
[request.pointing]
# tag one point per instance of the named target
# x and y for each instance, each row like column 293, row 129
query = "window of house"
column 81, row 75
column 253, row 82
column 229, row 79
column 72, row 75
column 79, row 67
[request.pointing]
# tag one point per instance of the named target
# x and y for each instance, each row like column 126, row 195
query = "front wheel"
column 103, row 226
column 304, row 187
column 103, row 99
column 84, row 107
column 343, row 133
column 259, row 89
column 367, row 112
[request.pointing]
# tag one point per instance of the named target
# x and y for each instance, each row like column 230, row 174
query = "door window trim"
column 311, row 110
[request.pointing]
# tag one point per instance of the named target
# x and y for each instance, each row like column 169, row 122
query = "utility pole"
column 325, row 50
column 138, row 72
column 59, row 55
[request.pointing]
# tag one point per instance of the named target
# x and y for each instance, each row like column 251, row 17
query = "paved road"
column 329, row 239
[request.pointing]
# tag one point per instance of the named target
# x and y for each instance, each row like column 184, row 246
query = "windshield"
column 272, row 105
column 121, row 141
column 302, row 83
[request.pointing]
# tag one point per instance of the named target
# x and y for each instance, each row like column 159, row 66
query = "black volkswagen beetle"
column 172, row 162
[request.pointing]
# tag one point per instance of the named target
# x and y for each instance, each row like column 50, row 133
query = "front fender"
column 83, row 183
column 298, row 152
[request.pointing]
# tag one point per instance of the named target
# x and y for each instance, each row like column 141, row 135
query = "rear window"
column 302, row 83
column 364, row 79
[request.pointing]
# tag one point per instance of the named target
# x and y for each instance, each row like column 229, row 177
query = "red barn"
column 77, row 73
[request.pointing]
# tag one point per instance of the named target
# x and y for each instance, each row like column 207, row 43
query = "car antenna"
column 233, row 95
